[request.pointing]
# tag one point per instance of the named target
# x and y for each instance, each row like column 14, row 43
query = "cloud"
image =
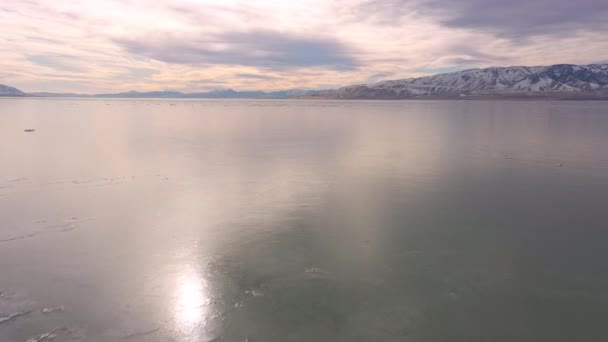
column 58, row 62
column 138, row 73
column 216, row 13
column 521, row 18
column 472, row 52
column 512, row 19
column 188, row 45
column 255, row 76
column 379, row 76
column 443, row 70
column 265, row 49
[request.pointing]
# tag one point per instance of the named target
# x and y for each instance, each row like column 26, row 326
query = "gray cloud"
column 379, row 76
column 435, row 71
column 265, row 49
column 58, row 62
column 255, row 76
column 135, row 74
column 513, row 19
column 464, row 54
column 463, row 61
column 521, row 18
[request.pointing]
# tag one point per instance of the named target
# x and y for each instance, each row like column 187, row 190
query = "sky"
column 201, row 45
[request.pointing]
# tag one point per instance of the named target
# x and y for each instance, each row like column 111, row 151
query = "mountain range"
column 561, row 81
column 555, row 81
column 214, row 94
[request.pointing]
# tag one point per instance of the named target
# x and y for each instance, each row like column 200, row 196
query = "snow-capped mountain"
column 562, row 80
column 10, row 91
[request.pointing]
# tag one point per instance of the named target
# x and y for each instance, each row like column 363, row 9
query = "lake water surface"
column 262, row 220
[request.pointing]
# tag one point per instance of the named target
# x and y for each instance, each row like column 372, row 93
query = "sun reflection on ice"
column 191, row 300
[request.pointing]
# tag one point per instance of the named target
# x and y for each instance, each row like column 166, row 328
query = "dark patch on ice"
column 142, row 333
column 52, row 335
column 43, row 337
column 13, row 316
column 216, row 339
column 20, row 237
column 29, row 130
column 72, row 224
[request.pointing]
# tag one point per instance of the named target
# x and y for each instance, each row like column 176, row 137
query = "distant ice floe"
column 255, row 293
column 314, row 270
column 54, row 309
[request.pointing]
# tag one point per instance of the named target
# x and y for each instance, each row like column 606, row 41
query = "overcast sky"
column 199, row 45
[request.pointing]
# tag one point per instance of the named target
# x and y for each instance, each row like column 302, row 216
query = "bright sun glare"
column 191, row 299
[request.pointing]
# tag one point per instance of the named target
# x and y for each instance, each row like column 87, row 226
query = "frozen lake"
column 262, row 220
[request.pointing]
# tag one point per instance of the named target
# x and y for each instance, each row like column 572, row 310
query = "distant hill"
column 10, row 91
column 214, row 94
column 47, row 94
column 560, row 81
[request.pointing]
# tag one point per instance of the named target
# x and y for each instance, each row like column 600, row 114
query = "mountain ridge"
column 213, row 94
column 559, row 80
column 570, row 81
